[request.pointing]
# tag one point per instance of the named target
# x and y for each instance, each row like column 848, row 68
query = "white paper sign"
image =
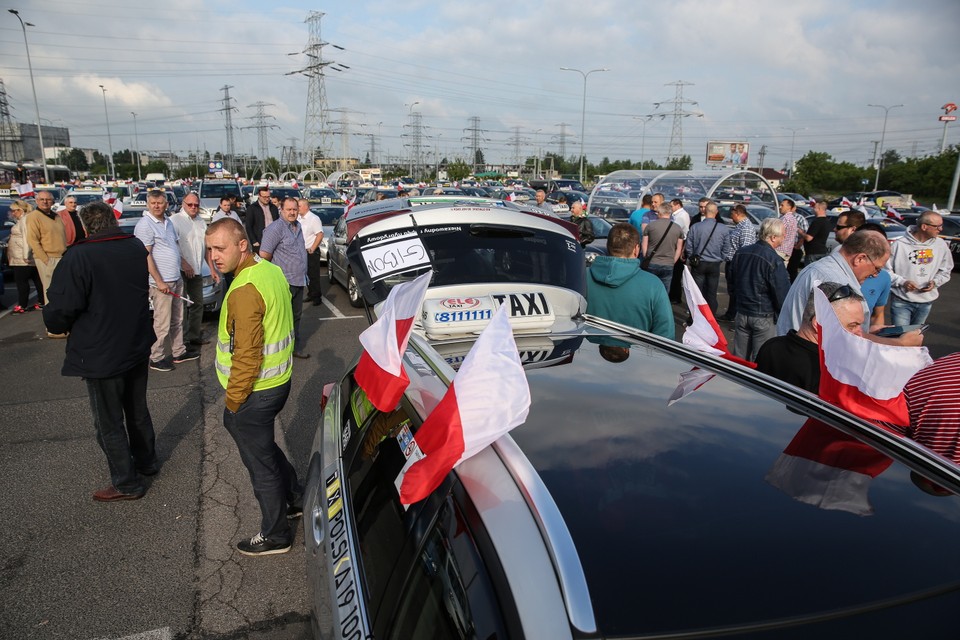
column 384, row 259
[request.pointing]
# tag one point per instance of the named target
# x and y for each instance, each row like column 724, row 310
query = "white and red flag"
column 846, row 203
column 812, row 202
column 511, row 197
column 118, row 208
column 352, row 200
column 704, row 334
column 380, row 371
column 489, row 397
column 110, row 197
column 294, row 184
column 893, row 213
column 864, row 377
column 25, row 190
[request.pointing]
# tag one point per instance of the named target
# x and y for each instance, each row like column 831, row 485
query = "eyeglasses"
column 842, row 292
column 191, row 204
column 938, row 227
column 877, row 269
column 844, row 226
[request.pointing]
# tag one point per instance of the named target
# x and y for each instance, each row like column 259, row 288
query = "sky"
column 790, row 77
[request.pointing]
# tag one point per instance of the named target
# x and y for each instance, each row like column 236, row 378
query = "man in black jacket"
column 259, row 215
column 101, row 300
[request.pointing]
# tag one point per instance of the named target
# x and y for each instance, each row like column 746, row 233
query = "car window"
column 448, row 593
column 218, row 190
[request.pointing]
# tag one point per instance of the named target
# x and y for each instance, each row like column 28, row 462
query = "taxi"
column 323, row 196
column 653, row 490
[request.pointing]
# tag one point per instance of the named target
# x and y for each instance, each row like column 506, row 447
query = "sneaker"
column 161, row 365
column 18, row 309
column 57, row 336
column 294, row 511
column 260, row 546
column 186, row 356
column 36, row 307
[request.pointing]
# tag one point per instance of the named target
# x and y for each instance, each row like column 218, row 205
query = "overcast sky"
column 757, row 71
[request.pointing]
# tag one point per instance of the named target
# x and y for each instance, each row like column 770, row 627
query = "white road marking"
column 333, row 309
column 165, row 633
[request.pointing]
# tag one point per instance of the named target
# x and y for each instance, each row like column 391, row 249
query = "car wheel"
column 353, row 291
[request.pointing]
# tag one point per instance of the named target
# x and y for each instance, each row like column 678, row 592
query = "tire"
column 353, row 291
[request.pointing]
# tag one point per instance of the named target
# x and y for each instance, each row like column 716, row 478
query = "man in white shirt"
column 193, row 253
column 312, row 237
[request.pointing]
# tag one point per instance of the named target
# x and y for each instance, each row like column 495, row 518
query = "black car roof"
column 677, row 520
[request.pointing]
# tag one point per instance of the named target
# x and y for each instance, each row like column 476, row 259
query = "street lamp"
column 136, row 143
column 583, row 112
column 36, row 105
column 793, row 140
column 110, row 166
column 879, row 159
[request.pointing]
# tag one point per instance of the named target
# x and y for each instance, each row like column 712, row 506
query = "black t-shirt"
column 819, row 229
column 792, row 359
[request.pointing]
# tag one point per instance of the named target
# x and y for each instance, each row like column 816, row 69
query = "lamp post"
column 36, row 105
column 793, row 140
column 136, row 143
column 886, row 112
column 110, row 166
column 583, row 111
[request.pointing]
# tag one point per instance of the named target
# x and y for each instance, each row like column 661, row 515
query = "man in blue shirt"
column 283, row 245
column 645, row 214
column 705, row 240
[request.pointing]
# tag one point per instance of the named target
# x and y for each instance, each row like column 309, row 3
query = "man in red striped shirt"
column 933, row 398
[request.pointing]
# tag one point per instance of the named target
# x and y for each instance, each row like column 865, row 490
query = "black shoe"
column 294, row 511
column 317, row 302
column 260, row 546
column 161, row 365
column 199, row 343
column 302, row 356
column 152, row 470
column 186, row 356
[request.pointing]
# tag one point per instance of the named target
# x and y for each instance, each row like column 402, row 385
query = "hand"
column 310, row 251
column 910, row 285
column 928, row 287
column 912, row 339
column 189, row 272
column 877, row 327
column 163, row 287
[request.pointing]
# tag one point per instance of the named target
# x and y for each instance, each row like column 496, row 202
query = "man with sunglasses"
column 920, row 263
column 863, row 254
column 193, row 253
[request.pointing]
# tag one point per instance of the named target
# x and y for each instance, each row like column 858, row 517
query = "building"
column 20, row 141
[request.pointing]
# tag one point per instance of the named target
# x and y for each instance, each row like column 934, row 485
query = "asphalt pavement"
column 166, row 566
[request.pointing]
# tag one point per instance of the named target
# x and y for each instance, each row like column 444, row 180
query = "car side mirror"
column 339, row 240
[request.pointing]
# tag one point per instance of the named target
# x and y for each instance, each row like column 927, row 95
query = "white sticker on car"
column 385, row 259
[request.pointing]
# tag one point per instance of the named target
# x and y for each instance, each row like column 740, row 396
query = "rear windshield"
column 219, row 189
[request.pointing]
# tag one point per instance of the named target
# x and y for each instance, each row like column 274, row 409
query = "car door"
column 337, row 252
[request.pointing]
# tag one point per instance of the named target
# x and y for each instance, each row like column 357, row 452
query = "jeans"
column 750, row 334
column 663, row 272
column 903, row 312
column 129, row 447
column 707, row 277
column 274, row 479
column 192, row 313
column 296, row 300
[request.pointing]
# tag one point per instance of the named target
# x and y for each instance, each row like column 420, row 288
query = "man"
column 920, row 263
column 47, row 239
column 933, row 400
column 876, row 288
column 164, row 264
column 642, row 216
column 788, row 213
column 701, row 208
column 312, row 237
column 579, row 217
column 541, row 202
column 679, row 215
column 71, row 221
column 190, row 231
column 99, row 297
column 619, row 290
column 761, row 286
column 226, row 210
column 254, row 365
column 744, row 233
column 794, row 357
column 662, row 246
column 847, row 223
column 863, row 254
column 259, row 215
column 815, row 237
column 705, row 241
column 681, row 218
column 283, row 245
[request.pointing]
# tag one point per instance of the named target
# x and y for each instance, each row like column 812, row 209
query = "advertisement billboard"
column 728, row 153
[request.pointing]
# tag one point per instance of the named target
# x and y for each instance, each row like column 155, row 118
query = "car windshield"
column 328, row 215
column 565, row 185
column 284, row 192
column 322, row 193
column 86, row 198
column 491, row 253
column 218, row 189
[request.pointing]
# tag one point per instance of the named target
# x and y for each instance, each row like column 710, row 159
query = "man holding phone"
column 920, row 263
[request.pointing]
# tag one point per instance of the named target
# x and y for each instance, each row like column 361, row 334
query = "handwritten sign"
column 385, row 259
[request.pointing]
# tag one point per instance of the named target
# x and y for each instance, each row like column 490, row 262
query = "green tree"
column 458, row 170
column 156, row 166
column 478, row 160
column 74, row 159
column 683, row 163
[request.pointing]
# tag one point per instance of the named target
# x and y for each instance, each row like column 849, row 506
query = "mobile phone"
column 896, row 332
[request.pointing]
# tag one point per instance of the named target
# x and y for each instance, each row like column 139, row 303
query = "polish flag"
column 489, row 397
column 893, row 213
column 689, row 382
column 864, row 377
column 25, row 190
column 510, row 197
column 350, row 202
column 705, row 334
column 828, row 469
column 380, row 371
column 846, row 203
column 812, row 202
column 117, row 208
column 295, row 185
column 110, row 197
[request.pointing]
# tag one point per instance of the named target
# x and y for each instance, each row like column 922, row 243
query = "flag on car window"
column 705, row 334
column 118, row 208
column 893, row 213
column 380, row 371
column 25, row 190
column 864, row 377
column 489, row 397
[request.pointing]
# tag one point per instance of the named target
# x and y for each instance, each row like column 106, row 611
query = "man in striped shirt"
column 933, row 399
column 743, row 234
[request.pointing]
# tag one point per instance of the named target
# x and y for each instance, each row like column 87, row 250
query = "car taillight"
column 327, row 390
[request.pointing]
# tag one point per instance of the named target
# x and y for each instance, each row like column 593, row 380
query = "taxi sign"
column 947, row 118
column 530, row 311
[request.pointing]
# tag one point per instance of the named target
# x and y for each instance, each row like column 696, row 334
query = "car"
column 755, row 212
column 322, row 196
column 285, row 191
column 83, row 196
column 601, row 229
column 796, row 197
column 893, row 228
column 619, row 491
column 130, row 216
column 139, row 199
column 328, row 215
column 210, row 192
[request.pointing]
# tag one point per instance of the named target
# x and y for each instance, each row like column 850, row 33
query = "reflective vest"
column 277, row 364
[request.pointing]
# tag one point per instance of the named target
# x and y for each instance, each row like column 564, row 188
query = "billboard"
column 730, row 154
